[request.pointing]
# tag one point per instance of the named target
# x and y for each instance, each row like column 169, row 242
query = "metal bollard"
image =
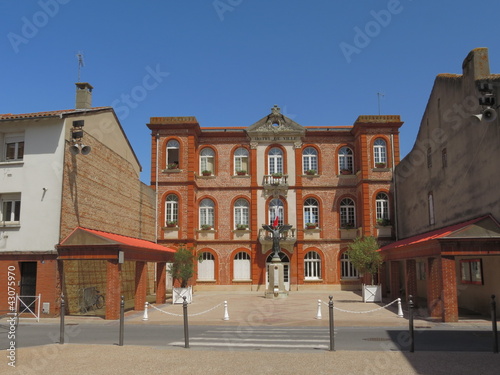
column 61, row 328
column 318, row 315
column 332, row 329
column 494, row 323
column 186, row 328
column 400, row 309
column 122, row 320
column 412, row 335
column 226, row 314
column 145, row 317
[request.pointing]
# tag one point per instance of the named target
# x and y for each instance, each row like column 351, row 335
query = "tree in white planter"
column 365, row 258
column 182, row 270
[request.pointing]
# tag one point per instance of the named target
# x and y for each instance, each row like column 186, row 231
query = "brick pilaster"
column 161, row 277
column 141, row 283
column 450, row 297
column 113, row 289
column 434, row 288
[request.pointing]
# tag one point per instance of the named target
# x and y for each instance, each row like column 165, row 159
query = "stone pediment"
column 275, row 124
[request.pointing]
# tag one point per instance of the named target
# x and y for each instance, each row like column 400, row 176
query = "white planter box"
column 372, row 293
column 179, row 293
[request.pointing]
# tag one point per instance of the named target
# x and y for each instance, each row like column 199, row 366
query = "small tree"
column 364, row 256
column 182, row 268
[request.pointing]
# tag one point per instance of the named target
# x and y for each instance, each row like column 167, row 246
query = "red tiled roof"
column 10, row 116
column 433, row 235
column 127, row 241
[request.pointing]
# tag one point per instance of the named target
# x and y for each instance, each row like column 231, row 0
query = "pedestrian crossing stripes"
column 255, row 338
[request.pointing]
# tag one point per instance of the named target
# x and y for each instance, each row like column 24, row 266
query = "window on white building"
column 10, row 205
column 346, row 160
column 207, row 208
column 206, row 267
column 347, row 269
column 347, row 213
column 171, row 208
column 241, row 210
column 13, row 146
column 275, row 160
column 312, row 266
column 241, row 266
column 309, row 159
column 207, row 160
column 241, row 160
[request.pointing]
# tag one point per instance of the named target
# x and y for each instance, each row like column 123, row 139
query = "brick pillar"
column 434, row 288
column 411, row 279
column 113, row 289
column 394, row 279
column 161, row 280
column 383, row 278
column 450, row 297
column 141, row 283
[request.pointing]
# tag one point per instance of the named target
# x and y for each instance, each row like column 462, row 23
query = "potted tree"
column 182, row 270
column 365, row 258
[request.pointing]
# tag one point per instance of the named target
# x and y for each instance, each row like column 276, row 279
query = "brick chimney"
column 83, row 95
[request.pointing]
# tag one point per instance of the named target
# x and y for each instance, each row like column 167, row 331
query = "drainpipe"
column 395, row 189
column 156, row 187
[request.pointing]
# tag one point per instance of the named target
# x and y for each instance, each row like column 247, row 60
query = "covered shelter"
column 448, row 269
column 114, row 263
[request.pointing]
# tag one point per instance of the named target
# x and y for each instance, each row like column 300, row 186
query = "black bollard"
column 122, row 320
column 332, row 328
column 494, row 323
column 412, row 336
column 186, row 329
column 61, row 327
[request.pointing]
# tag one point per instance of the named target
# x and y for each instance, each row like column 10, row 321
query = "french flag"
column 276, row 221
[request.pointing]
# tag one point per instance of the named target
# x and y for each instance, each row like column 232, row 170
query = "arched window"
column 276, row 208
column 207, row 208
column 241, row 160
column 241, row 267
column 171, row 209
column 309, row 159
column 382, row 203
column 432, row 217
column 348, row 270
column 206, row 267
column 312, row 266
column 207, row 158
column 173, row 154
column 379, row 151
column 347, row 213
column 311, row 211
column 346, row 160
column 241, row 209
column 275, row 160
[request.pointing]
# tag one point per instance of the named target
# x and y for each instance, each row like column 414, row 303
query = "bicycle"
column 90, row 298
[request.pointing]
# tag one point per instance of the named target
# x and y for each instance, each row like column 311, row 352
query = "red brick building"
column 216, row 187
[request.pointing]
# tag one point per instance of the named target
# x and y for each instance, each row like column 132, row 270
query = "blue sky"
column 227, row 62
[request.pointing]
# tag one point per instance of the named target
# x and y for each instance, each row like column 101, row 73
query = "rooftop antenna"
column 79, row 56
column 379, row 94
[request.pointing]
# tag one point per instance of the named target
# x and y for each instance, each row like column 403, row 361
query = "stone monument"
column 275, row 270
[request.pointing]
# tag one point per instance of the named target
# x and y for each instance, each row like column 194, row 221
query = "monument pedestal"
column 276, row 287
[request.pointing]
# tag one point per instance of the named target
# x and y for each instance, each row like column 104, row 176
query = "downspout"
column 156, row 187
column 395, row 189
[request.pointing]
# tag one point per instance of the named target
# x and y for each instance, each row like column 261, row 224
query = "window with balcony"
column 346, row 160
column 275, row 161
column 276, row 210
column 241, row 161
column 309, row 160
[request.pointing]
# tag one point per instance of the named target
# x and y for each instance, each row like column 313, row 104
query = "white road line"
column 176, row 343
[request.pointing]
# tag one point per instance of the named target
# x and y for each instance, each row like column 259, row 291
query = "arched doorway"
column 286, row 268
